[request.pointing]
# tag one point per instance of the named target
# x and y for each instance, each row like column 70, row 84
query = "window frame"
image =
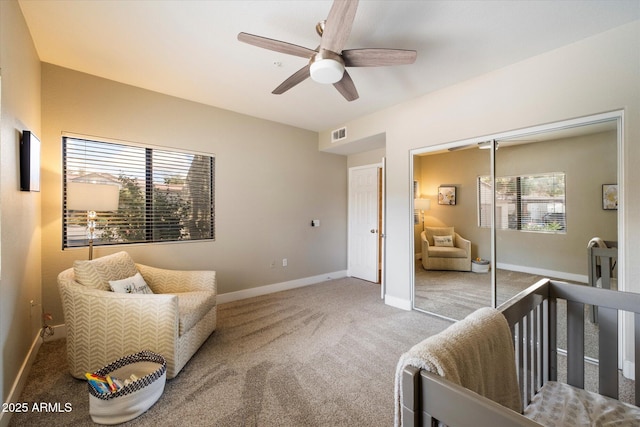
column 149, row 190
column 519, row 202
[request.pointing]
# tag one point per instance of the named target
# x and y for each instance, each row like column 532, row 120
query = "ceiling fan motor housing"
column 326, row 67
column 327, row 62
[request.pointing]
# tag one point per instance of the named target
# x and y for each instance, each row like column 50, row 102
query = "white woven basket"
column 134, row 399
column 480, row 266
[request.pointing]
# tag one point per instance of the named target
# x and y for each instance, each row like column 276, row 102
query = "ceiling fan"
column 328, row 61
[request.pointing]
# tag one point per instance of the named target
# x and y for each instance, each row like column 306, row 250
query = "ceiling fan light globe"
column 326, row 71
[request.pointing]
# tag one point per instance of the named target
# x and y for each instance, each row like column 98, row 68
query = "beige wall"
column 594, row 75
column 271, row 181
column 19, row 211
column 366, row 158
column 588, row 162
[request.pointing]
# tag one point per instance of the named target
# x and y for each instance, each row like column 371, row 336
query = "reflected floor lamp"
column 422, row 205
column 84, row 196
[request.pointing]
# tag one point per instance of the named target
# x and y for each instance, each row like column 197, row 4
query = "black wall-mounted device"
column 29, row 162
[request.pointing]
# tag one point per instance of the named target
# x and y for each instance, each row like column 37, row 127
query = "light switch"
column 315, row 223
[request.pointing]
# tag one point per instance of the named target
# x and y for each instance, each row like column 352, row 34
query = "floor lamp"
column 83, row 196
column 422, row 205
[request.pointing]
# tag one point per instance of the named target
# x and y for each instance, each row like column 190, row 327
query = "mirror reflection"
column 553, row 198
column 448, row 242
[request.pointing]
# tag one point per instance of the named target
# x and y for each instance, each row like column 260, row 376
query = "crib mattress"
column 558, row 404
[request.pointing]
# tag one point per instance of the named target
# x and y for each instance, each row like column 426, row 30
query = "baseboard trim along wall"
column 562, row 275
column 277, row 287
column 21, row 380
column 629, row 369
column 403, row 304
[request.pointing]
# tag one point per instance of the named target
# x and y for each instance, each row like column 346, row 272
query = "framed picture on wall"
column 447, row 195
column 609, row 196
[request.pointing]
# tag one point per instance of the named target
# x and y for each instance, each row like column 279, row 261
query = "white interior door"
column 363, row 223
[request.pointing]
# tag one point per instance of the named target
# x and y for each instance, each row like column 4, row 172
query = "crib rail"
column 444, row 403
column 532, row 317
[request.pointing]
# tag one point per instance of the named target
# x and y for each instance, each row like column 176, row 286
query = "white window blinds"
column 527, row 202
column 165, row 195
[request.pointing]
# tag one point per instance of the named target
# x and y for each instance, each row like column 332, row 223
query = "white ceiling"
column 189, row 48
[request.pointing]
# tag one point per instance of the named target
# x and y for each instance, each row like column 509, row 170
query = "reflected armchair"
column 444, row 249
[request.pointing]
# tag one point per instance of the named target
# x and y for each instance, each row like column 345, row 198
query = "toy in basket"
column 126, row 388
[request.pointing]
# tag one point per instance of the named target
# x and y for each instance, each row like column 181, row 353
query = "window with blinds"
column 527, row 203
column 165, row 195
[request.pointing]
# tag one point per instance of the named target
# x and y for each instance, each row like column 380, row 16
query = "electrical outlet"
column 32, row 304
column 284, row 262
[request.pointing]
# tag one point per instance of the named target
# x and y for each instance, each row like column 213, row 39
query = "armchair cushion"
column 439, row 231
column 192, row 306
column 98, row 272
column 446, row 252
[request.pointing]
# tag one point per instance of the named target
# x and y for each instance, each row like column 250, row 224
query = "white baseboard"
column 277, row 287
column 59, row 332
column 21, row 380
column 629, row 369
column 581, row 278
column 403, row 304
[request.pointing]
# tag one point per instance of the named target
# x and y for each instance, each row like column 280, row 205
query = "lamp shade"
column 84, row 196
column 422, row 204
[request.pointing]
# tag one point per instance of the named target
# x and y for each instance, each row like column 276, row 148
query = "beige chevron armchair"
column 103, row 325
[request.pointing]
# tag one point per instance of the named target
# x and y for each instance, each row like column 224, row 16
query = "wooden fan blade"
column 338, row 25
column 346, row 87
column 378, row 57
column 297, row 77
column 276, row 45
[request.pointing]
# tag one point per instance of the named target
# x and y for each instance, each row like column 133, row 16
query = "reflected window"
column 534, row 203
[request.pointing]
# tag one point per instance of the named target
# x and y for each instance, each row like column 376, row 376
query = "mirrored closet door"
column 550, row 185
column 446, row 234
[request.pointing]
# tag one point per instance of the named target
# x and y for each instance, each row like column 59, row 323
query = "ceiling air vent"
column 338, row 134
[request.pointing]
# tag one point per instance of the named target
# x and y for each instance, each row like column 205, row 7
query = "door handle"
column 374, row 231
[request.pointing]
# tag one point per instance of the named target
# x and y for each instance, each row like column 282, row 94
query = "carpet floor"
column 456, row 294
column 322, row 355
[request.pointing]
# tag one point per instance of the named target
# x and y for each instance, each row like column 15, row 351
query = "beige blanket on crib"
column 476, row 353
